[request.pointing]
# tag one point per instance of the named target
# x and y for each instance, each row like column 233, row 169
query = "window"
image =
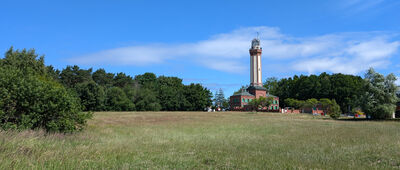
column 243, row 100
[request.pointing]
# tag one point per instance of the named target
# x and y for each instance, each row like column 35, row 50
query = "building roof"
column 270, row 95
column 256, row 88
column 243, row 93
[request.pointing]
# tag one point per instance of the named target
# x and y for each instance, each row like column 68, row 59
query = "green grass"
column 200, row 140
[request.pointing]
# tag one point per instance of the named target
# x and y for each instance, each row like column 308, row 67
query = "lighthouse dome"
column 255, row 44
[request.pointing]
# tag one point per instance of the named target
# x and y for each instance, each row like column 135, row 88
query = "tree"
column 118, row 101
column 311, row 102
column 345, row 89
column 379, row 98
column 219, row 98
column 92, row 96
column 331, row 107
column 147, row 80
column 271, row 84
column 260, row 103
column 197, row 96
column 170, row 93
column 30, row 98
column 297, row 104
column 73, row 75
column 102, row 78
column 122, row 80
column 144, row 99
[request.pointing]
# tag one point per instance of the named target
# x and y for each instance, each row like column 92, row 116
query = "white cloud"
column 355, row 6
column 342, row 52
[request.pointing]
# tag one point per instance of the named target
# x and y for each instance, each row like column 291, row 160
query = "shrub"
column 31, row 99
column 334, row 110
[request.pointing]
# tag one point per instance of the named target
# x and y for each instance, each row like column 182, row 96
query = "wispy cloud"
column 360, row 5
column 342, row 52
column 352, row 7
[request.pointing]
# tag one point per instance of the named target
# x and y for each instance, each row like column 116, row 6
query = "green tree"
column 271, row 84
column 118, row 101
column 379, row 98
column 30, row 98
column 219, row 98
column 102, row 78
column 260, row 103
column 122, row 80
column 170, row 93
column 145, row 100
column 197, row 96
column 331, row 107
column 73, row 75
column 147, row 80
column 297, row 104
column 92, row 96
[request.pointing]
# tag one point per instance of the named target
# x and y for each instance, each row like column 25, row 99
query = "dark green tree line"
column 102, row 91
column 345, row 89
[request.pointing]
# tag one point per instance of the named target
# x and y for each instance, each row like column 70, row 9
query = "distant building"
column 240, row 100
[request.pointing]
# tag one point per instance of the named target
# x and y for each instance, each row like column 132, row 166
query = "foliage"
column 145, row 92
column 333, row 109
column 102, row 78
column 198, row 97
column 219, row 98
column 118, row 101
column 171, row 93
column 30, row 98
column 343, row 88
column 271, row 84
column 297, row 104
column 330, row 106
column 261, row 102
column 379, row 98
column 92, row 96
column 144, row 99
column 73, row 75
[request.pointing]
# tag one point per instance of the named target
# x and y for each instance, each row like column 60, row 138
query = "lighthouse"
column 241, row 99
column 255, row 63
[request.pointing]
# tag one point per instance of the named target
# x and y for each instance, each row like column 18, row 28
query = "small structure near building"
column 240, row 101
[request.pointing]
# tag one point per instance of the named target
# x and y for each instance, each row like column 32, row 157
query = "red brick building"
column 255, row 90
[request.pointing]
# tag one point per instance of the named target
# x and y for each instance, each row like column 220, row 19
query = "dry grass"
column 199, row 140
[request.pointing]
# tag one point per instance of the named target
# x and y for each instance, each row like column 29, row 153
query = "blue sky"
column 207, row 41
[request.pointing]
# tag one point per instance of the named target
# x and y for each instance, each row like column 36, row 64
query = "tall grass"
column 197, row 140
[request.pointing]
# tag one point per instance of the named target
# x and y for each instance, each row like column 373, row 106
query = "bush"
column 31, row 101
column 383, row 111
column 334, row 110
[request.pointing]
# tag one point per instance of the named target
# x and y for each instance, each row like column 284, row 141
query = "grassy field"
column 200, row 140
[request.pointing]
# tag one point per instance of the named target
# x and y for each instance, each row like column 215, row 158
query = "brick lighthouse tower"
column 239, row 101
column 255, row 63
column 256, row 87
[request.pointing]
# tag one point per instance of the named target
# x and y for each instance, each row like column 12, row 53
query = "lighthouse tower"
column 240, row 100
column 255, row 63
column 256, row 87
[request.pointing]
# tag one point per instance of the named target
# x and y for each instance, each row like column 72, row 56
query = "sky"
column 207, row 41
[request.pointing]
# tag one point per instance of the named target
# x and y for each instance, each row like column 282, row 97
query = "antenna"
column 258, row 35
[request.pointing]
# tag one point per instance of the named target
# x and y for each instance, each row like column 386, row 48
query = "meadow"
column 201, row 140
